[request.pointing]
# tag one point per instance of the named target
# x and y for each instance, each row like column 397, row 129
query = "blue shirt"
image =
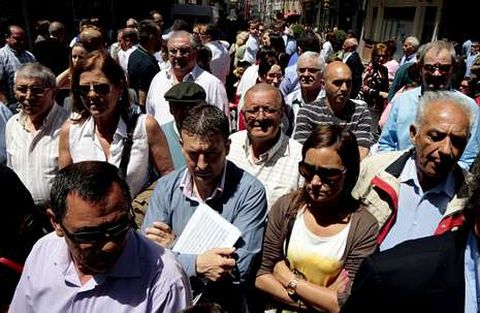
column 418, row 213
column 395, row 134
column 173, row 139
column 472, row 275
column 242, row 202
column 290, row 81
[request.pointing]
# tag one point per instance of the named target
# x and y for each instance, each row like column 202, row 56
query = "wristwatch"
column 291, row 287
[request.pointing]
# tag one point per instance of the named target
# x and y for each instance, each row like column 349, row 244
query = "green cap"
column 186, row 92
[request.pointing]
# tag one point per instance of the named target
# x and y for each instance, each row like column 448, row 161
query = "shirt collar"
column 409, row 174
column 48, row 120
column 192, row 76
column 264, row 157
column 121, row 129
column 187, row 183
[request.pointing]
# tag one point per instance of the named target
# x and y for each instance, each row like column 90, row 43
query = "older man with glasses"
column 32, row 134
column 437, row 63
column 94, row 261
column 182, row 54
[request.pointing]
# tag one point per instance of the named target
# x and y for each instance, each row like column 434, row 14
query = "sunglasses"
column 312, row 70
column 94, row 236
column 100, row 89
column 35, row 90
column 442, row 68
column 253, row 112
column 308, row 171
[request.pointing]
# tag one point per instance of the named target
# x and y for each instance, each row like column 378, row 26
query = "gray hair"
column 430, row 98
column 312, row 55
column 413, row 41
column 205, row 120
column 182, row 33
column 438, row 46
column 37, row 71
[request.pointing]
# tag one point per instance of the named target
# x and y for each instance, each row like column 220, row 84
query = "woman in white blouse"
column 99, row 129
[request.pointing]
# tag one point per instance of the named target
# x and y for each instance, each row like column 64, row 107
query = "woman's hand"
column 341, row 283
column 282, row 273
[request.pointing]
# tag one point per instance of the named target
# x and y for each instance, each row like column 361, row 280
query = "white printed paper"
column 206, row 230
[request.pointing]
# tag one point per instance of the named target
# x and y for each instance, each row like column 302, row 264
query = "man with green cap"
column 181, row 98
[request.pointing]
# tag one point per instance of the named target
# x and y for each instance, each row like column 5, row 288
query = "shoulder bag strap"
column 127, row 145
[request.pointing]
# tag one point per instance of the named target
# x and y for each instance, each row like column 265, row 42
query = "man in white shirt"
column 263, row 150
column 220, row 62
column 32, row 135
column 182, row 52
column 128, row 39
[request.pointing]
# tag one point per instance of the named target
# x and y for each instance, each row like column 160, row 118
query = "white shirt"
column 277, row 168
column 327, row 50
column 85, row 146
column 251, row 51
column 34, row 155
column 158, row 107
column 123, row 57
column 220, row 63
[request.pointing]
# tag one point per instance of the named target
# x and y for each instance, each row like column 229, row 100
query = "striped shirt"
column 277, row 168
column 10, row 61
column 34, row 155
column 355, row 118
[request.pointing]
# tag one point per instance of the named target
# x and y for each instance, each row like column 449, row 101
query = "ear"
column 53, row 220
column 413, row 133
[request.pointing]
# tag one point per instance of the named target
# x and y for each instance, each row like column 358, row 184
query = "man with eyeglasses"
column 263, row 150
column 336, row 108
column 95, row 261
column 32, row 134
column 437, row 62
column 421, row 191
column 221, row 274
column 182, row 54
column 310, row 66
column 12, row 56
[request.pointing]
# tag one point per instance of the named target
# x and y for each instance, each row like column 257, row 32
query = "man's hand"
column 216, row 263
column 161, row 233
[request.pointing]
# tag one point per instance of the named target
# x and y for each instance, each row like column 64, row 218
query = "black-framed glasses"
column 35, row 89
column 308, row 171
column 442, row 68
column 101, row 89
column 113, row 232
column 182, row 52
column 254, row 111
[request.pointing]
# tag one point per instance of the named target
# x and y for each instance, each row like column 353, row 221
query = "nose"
column 202, row 163
column 445, row 147
column 316, row 180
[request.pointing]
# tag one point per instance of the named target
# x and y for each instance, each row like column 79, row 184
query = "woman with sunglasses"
column 317, row 236
column 102, row 118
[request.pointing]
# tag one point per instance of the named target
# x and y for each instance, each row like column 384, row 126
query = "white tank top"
column 317, row 258
column 85, row 146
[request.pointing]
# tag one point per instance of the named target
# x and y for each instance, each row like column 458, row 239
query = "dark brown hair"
column 345, row 144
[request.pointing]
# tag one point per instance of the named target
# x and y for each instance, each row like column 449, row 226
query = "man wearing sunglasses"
column 437, row 62
column 421, row 191
column 32, row 135
column 94, row 261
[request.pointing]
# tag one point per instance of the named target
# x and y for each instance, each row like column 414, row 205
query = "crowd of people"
column 353, row 184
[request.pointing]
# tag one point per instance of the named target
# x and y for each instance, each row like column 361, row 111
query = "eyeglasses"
column 442, row 68
column 308, row 171
column 34, row 90
column 182, row 52
column 312, row 70
column 94, row 236
column 254, row 111
column 101, row 89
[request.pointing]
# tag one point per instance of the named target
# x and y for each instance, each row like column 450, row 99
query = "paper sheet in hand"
column 205, row 230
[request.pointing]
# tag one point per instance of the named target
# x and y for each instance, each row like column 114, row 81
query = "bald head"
column 92, row 39
column 264, row 87
column 334, row 67
column 337, row 80
column 350, row 44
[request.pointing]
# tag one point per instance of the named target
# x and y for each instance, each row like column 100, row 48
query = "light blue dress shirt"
column 418, row 213
column 472, row 275
column 290, row 81
column 396, row 132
